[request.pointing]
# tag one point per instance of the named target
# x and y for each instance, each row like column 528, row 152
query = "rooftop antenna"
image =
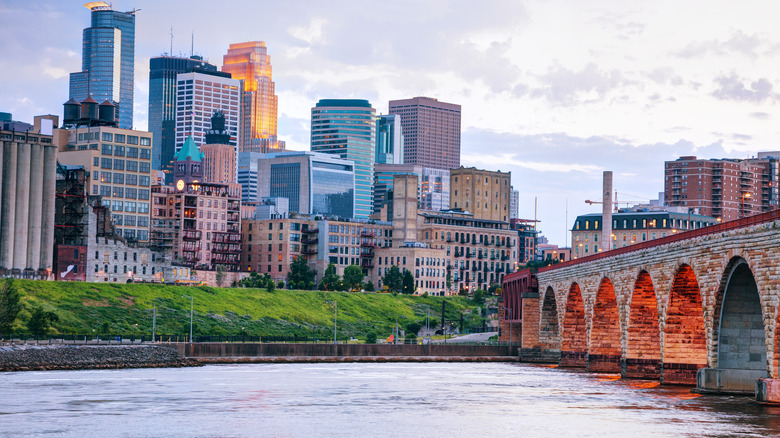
column 171, row 52
column 192, row 44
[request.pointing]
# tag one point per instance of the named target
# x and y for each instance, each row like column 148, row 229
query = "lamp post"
column 742, row 204
column 191, row 305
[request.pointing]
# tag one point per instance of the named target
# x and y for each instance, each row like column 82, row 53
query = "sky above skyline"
column 555, row 92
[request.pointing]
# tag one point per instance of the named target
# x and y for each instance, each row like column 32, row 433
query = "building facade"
column 119, row 165
column 162, row 104
column 431, row 131
column 389, row 140
column 27, row 193
column 485, row 194
column 108, row 61
column 250, row 63
column 198, row 96
column 434, row 189
column 724, row 188
column 314, row 183
column 632, row 227
column 383, row 183
column 514, row 204
column 247, row 176
column 347, row 128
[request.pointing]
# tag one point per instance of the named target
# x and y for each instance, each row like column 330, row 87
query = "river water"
column 366, row 400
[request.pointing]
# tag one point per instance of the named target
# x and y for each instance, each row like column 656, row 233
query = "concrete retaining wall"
column 213, row 350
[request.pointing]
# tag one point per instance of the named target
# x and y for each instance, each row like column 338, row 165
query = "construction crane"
column 615, row 202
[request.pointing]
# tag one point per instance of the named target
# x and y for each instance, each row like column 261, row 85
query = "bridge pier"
column 604, row 363
column 680, row 373
column 768, row 391
column 642, row 369
column 540, row 355
column 574, row 359
column 723, row 380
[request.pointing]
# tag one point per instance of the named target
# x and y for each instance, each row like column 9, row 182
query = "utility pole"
column 191, row 302
column 335, row 320
column 154, row 320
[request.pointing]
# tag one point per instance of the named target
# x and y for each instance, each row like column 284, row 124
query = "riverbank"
column 79, row 357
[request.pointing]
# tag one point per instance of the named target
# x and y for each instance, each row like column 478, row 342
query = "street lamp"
column 191, row 302
column 742, row 204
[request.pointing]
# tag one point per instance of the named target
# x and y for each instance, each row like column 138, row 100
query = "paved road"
column 474, row 337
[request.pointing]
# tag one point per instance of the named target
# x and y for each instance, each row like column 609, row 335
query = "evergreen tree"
column 40, row 321
column 369, row 286
column 353, row 277
column 393, row 279
column 9, row 306
column 330, row 280
column 301, row 276
column 408, row 283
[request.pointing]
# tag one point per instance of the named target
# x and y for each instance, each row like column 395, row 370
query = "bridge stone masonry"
column 698, row 307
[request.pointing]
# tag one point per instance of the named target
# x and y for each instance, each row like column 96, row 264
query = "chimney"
column 606, row 212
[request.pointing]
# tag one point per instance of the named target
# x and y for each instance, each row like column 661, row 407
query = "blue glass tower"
column 347, row 128
column 107, row 62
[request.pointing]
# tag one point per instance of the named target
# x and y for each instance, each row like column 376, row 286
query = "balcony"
column 190, row 235
column 226, row 248
column 366, row 234
column 310, row 231
column 190, row 256
column 368, row 244
column 224, row 237
column 367, row 254
column 192, row 246
column 309, row 251
column 310, row 240
column 366, row 263
column 225, row 259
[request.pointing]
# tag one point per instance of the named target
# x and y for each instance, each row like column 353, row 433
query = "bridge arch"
column 605, row 340
column 549, row 334
column 685, row 343
column 643, row 349
column 574, row 341
column 738, row 322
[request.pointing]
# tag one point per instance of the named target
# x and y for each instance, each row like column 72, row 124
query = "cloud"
column 732, row 88
column 563, row 86
column 759, row 115
column 739, row 43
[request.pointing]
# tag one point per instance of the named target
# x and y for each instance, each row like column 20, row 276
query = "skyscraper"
column 162, row 104
column 249, row 62
column 107, row 61
column 431, row 132
column 389, row 140
column 198, row 96
column 347, row 128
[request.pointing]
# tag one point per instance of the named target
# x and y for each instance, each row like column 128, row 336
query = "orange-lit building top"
column 250, row 63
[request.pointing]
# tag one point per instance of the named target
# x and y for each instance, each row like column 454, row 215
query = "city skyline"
column 555, row 98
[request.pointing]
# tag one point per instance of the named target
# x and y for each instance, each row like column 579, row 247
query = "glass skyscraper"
column 162, row 104
column 107, row 61
column 389, row 140
column 347, row 128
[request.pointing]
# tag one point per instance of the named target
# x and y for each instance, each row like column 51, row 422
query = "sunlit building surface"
column 249, row 62
column 107, row 61
column 347, row 128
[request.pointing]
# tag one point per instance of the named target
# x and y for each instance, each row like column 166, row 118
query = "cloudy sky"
column 554, row 91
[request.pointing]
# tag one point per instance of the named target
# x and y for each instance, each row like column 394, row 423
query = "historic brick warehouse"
column 698, row 307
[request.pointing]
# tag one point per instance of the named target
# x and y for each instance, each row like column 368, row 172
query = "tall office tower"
column 347, row 128
column 484, row 193
column 383, row 183
column 435, row 189
column 247, row 176
column 219, row 156
column 431, row 132
column 727, row 189
column 514, row 204
column 198, row 96
column 107, row 61
column 249, row 62
column 162, row 104
column 389, row 140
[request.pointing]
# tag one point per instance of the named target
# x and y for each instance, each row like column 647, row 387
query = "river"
column 366, row 400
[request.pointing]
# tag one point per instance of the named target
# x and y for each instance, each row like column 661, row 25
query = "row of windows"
column 121, row 151
column 116, row 164
column 121, row 178
column 120, row 192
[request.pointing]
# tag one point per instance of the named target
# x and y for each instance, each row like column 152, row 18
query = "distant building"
column 162, row 103
column 527, row 235
column 553, row 253
column 435, row 189
column 483, row 193
column 219, row 157
column 249, row 62
column 724, row 188
column 346, row 128
column 108, row 61
column 514, row 204
column 383, row 182
column 389, row 140
column 314, row 183
column 630, row 227
column 247, row 176
column 431, row 131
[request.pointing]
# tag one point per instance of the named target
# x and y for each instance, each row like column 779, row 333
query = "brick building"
column 485, row 194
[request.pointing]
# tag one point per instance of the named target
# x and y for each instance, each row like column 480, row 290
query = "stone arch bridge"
column 699, row 307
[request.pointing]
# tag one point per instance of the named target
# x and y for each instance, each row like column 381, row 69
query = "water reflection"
column 383, row 399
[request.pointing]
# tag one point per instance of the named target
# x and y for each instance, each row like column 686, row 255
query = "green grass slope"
column 127, row 308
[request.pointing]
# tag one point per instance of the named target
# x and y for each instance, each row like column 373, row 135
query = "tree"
column 40, row 321
column 353, row 277
column 220, row 275
column 9, row 306
column 270, row 285
column 393, row 279
column 370, row 338
column 479, row 297
column 413, row 327
column 368, row 286
column 280, row 284
column 408, row 283
column 448, row 280
column 301, row 276
column 330, row 279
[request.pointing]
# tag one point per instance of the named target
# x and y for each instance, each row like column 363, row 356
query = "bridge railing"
column 758, row 219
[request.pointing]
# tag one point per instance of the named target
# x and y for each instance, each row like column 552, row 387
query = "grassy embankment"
column 84, row 307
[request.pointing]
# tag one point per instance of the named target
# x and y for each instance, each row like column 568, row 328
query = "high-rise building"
column 347, row 128
column 250, row 63
column 198, row 96
column 247, row 176
column 383, row 183
column 108, row 61
column 389, row 140
column 484, row 193
column 431, row 132
column 314, row 183
column 162, row 104
column 435, row 189
column 723, row 188
column 514, row 204
column 219, row 157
